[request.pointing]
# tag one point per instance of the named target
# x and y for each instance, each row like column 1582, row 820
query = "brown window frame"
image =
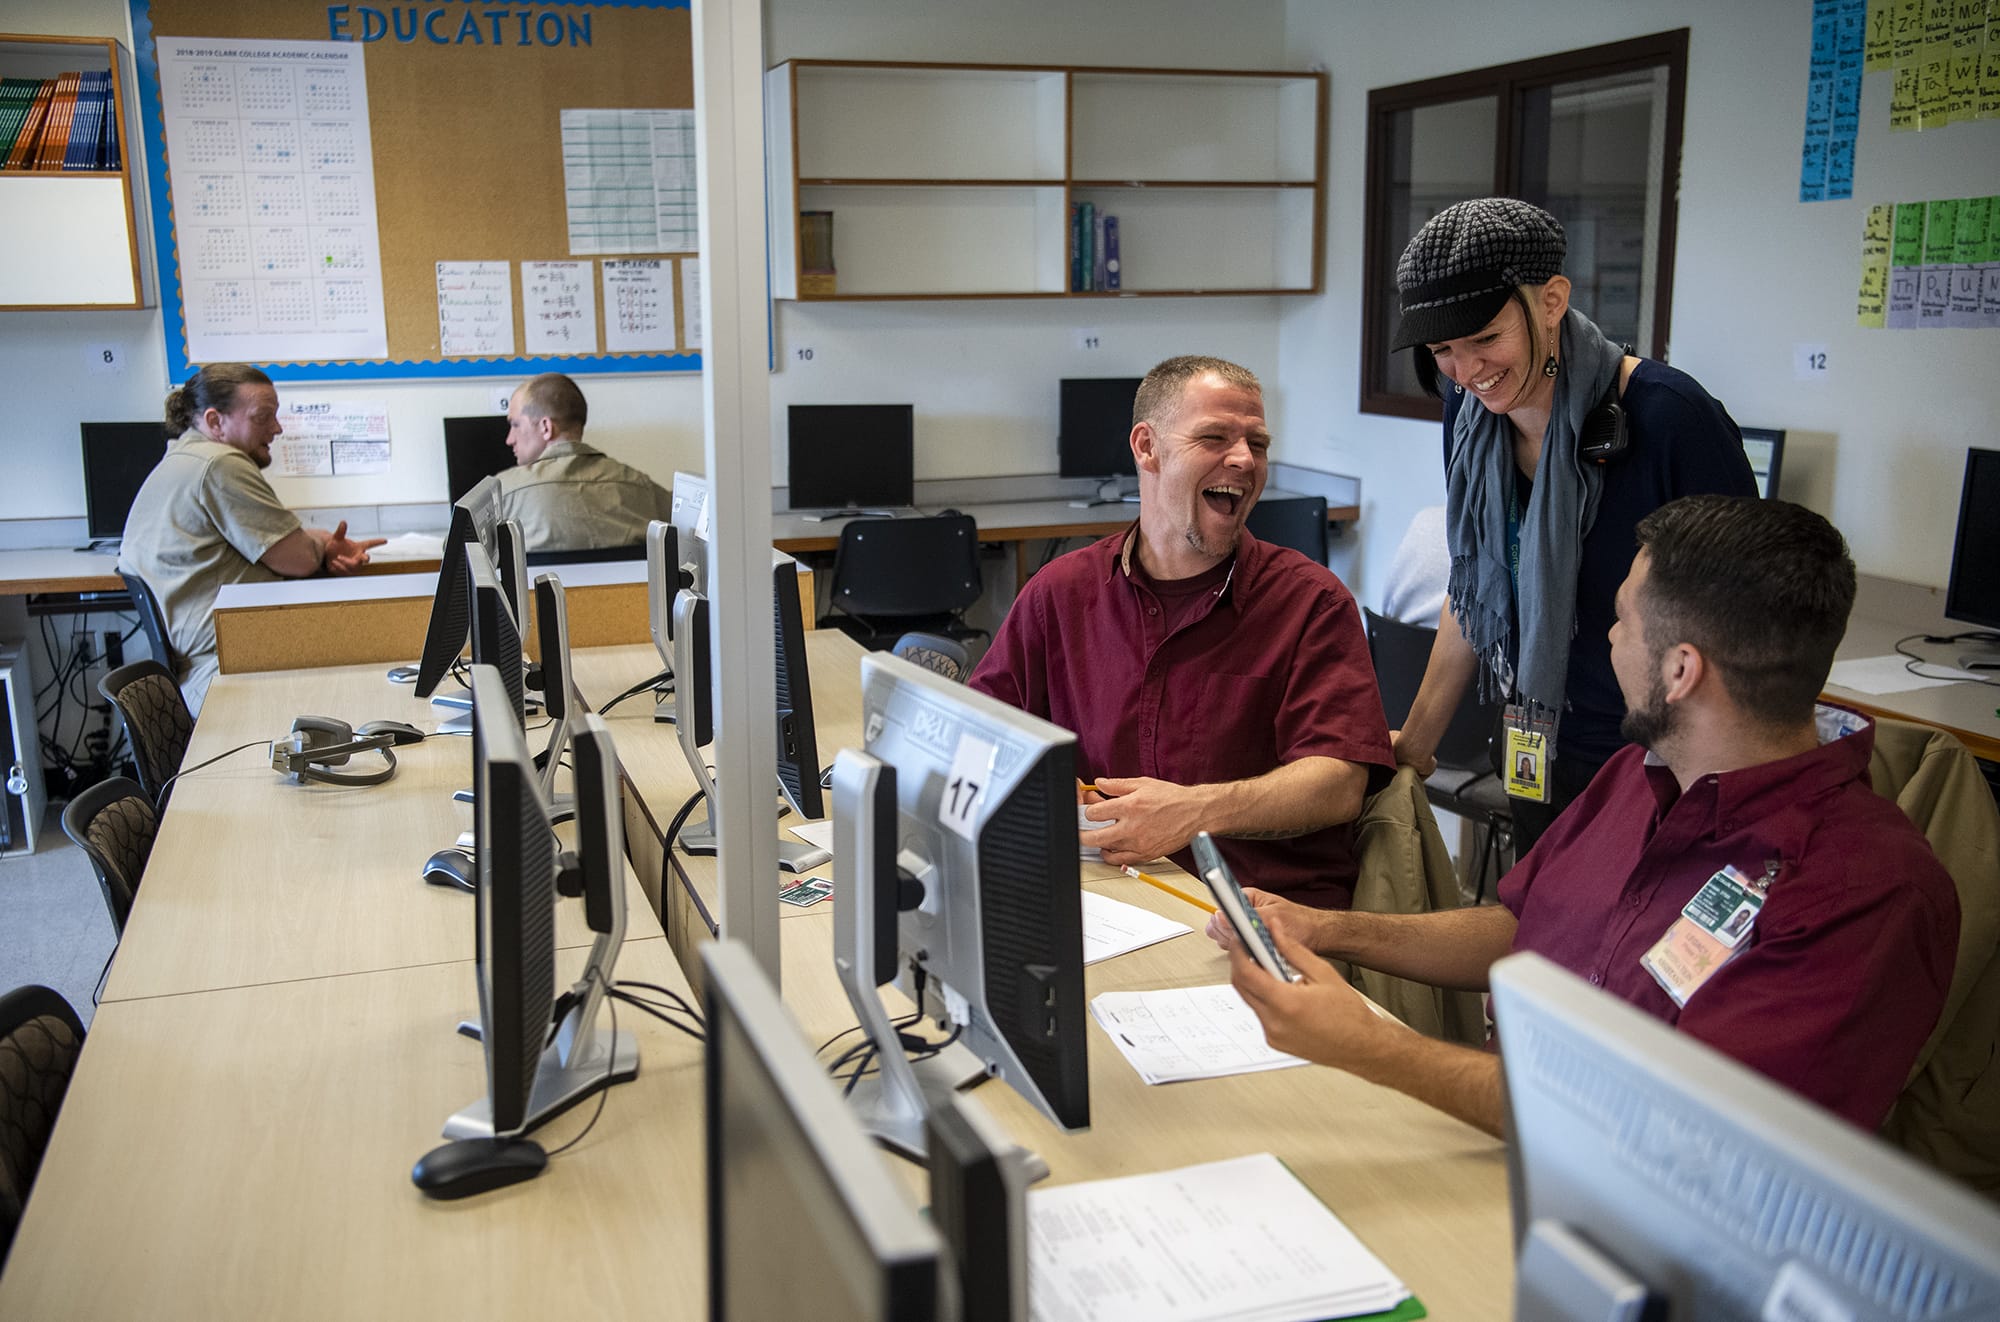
column 1508, row 84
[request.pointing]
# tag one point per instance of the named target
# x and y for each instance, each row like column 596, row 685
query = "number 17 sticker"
column 965, row 786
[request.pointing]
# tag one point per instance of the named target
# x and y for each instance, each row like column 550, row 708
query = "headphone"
column 317, row 743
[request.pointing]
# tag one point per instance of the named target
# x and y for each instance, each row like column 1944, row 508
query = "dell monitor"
column 1651, row 1176
column 1765, row 449
column 849, row 459
column 117, row 456
column 559, row 697
column 979, row 1186
column 538, row 1066
column 496, row 641
column 798, row 741
column 472, row 519
column 804, row 1219
column 690, row 512
column 974, row 848
column 1973, row 595
column 1094, row 434
column 474, row 448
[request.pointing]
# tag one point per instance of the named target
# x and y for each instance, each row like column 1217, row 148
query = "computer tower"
column 20, row 754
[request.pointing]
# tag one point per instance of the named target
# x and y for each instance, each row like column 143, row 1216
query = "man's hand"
column 1320, row 1018
column 344, row 555
column 1410, row 754
column 1295, row 921
column 1150, row 818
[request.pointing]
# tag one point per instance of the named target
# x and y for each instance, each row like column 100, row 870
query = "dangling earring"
column 1549, row 365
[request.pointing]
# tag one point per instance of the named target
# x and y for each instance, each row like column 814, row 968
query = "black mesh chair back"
column 600, row 556
column 40, row 1039
column 113, row 823
column 1295, row 521
column 153, row 620
column 157, row 722
column 936, row 653
column 891, row 576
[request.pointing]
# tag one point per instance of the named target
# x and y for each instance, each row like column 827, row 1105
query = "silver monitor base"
column 557, row 1088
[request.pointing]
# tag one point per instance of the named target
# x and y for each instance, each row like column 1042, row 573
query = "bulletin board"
column 465, row 107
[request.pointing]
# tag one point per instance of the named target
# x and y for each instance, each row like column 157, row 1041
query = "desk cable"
column 661, row 683
column 604, row 1092
column 1911, row 660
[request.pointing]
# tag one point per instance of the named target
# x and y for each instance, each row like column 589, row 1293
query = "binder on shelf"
column 23, row 150
column 16, row 95
column 1075, row 247
column 1111, row 265
column 55, row 133
column 81, row 154
column 816, row 276
column 1087, row 264
column 109, row 155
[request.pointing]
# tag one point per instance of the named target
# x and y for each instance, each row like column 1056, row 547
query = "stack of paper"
column 1187, row 1033
column 1113, row 927
column 1241, row 1239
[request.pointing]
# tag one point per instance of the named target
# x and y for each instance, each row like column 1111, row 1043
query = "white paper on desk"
column 1187, row 1033
column 817, row 834
column 1889, row 674
column 1113, row 927
column 1236, row 1239
column 410, row 546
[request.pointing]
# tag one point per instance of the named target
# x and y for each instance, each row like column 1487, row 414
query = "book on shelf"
column 816, row 275
column 22, row 153
column 1112, row 267
column 68, row 122
column 86, row 142
column 55, row 134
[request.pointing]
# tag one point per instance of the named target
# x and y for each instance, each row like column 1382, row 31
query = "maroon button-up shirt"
column 1269, row 668
column 1847, row 966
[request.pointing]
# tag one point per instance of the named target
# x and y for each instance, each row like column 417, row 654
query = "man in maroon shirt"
column 1738, row 794
column 1214, row 682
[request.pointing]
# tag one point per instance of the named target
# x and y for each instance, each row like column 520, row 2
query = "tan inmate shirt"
column 203, row 518
column 576, row 498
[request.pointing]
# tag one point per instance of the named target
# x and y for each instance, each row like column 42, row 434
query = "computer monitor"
column 804, row 1219
column 979, row 1205
column 690, row 512
column 117, row 456
column 472, row 519
column 982, row 819
column 1094, row 433
column 1973, row 595
column 558, row 686
column 510, row 562
column 848, row 459
column 536, row 1066
column 1649, row 1170
column 474, row 448
column 496, row 641
column 1765, row 449
column 798, row 740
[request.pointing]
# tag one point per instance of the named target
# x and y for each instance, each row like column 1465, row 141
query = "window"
column 1592, row 135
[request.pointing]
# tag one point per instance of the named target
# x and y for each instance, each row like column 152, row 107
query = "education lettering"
column 440, row 26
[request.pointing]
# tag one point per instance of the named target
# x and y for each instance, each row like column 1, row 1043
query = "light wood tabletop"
column 254, row 879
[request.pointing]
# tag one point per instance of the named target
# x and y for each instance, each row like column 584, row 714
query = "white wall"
column 1878, row 447
column 983, row 376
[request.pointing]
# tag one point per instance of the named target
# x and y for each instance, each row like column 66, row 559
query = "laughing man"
column 1215, row 683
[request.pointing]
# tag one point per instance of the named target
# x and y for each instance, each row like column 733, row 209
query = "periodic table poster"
column 366, row 192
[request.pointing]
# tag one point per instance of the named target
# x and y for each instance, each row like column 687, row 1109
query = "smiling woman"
column 1557, row 442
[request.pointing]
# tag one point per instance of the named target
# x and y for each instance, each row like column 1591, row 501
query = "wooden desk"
column 255, row 880
column 1967, row 710
column 58, row 569
column 245, row 1153
column 1012, row 522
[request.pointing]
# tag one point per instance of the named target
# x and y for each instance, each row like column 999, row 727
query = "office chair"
column 1467, row 780
column 157, row 721
column 1295, row 521
column 113, row 823
column 153, row 620
column 935, row 652
column 40, row 1039
column 893, row 576
column 587, row 555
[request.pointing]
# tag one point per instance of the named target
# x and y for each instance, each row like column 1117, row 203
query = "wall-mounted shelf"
column 957, row 180
column 71, row 237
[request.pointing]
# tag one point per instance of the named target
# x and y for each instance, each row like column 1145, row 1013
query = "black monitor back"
column 1094, row 429
column 474, row 448
column 117, row 456
column 1973, row 596
column 798, row 741
column 858, row 455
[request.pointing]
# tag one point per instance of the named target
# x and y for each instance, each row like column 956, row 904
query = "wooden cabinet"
column 70, row 236
column 957, row 181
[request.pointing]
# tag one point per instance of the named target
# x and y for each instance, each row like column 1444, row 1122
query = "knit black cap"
column 1457, row 273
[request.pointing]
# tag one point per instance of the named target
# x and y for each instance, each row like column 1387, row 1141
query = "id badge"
column 1711, row 931
column 1530, row 747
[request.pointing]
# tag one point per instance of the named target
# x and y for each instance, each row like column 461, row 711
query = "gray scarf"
column 1561, row 509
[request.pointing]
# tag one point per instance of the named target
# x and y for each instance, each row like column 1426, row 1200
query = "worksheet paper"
column 559, row 307
column 638, row 305
column 331, row 438
column 817, row 834
column 1889, row 674
column 272, row 172
column 1187, row 1033
column 475, row 309
column 690, row 303
column 1113, row 927
column 629, row 181
column 1240, row 1239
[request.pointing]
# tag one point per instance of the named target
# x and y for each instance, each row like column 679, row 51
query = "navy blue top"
column 1683, row 443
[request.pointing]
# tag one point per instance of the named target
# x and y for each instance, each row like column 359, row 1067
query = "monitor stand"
column 850, row 513
column 1985, row 654
column 101, row 544
column 1109, row 492
column 697, row 834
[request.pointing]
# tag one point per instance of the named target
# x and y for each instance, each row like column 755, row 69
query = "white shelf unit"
column 956, row 181
column 72, row 235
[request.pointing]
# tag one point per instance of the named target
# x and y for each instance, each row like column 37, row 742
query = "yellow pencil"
column 1174, row 891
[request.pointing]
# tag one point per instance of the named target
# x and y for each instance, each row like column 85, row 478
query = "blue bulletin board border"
column 153, row 131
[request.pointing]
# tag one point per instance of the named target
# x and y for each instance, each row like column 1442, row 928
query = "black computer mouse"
column 452, row 866
column 404, row 732
column 468, row 1166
